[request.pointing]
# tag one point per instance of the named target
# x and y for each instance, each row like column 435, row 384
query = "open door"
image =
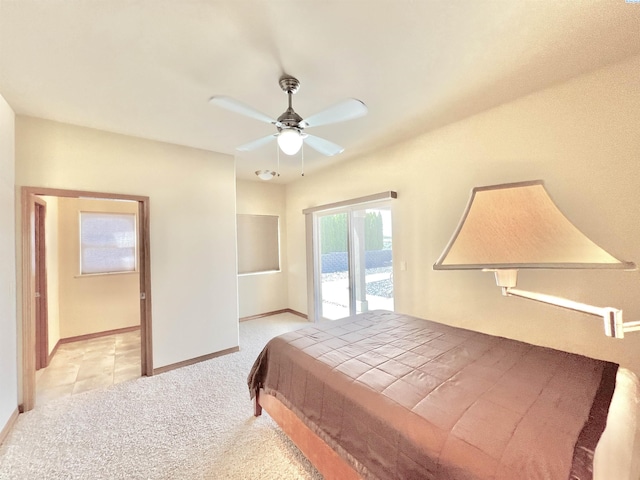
column 40, row 294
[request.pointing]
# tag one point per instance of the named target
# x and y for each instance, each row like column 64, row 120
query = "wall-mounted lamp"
column 516, row 226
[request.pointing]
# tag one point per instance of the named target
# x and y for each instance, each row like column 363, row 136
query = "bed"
column 387, row 396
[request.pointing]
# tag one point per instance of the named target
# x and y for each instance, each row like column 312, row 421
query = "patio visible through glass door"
column 354, row 254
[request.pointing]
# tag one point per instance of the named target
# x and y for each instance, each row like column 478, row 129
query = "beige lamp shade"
column 515, row 226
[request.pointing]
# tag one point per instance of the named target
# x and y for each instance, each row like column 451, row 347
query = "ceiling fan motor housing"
column 289, row 84
column 290, row 119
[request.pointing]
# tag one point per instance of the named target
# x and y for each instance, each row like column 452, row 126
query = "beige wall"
column 92, row 303
column 8, row 354
column 580, row 137
column 52, row 260
column 192, row 221
column 265, row 292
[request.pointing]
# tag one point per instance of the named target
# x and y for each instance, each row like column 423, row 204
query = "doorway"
column 351, row 261
column 33, row 335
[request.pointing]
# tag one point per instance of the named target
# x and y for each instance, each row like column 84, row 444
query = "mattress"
column 401, row 397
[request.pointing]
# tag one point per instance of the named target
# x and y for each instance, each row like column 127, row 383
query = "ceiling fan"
column 291, row 126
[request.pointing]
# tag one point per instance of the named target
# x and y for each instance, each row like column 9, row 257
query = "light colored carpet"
column 192, row 423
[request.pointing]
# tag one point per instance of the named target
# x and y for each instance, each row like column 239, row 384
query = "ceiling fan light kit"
column 290, row 125
column 290, row 140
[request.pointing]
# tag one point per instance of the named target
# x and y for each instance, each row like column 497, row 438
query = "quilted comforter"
column 405, row 398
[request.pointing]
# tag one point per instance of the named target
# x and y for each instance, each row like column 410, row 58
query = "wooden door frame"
column 41, row 301
column 28, row 199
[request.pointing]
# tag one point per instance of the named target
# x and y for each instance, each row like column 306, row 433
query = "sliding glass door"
column 353, row 254
column 333, row 258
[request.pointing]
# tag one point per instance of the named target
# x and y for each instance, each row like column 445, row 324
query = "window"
column 258, row 243
column 107, row 242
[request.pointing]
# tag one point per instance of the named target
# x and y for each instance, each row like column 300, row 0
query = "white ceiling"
column 148, row 67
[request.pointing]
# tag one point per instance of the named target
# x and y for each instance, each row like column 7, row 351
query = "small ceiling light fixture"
column 290, row 141
column 265, row 174
column 517, row 226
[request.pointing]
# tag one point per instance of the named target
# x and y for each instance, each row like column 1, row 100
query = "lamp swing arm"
column 614, row 326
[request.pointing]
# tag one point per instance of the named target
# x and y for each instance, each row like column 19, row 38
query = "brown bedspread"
column 404, row 398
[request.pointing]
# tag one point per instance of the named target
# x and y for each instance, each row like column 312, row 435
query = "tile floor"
column 89, row 364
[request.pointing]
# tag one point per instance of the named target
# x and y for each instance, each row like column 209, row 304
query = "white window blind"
column 107, row 242
column 258, row 243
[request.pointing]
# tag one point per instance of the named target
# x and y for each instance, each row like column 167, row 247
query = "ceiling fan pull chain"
column 278, row 156
column 302, row 152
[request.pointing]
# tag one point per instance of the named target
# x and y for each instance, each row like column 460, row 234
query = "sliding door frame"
column 314, row 308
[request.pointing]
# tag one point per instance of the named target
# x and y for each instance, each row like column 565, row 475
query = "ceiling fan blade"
column 323, row 146
column 237, row 106
column 346, row 110
column 256, row 143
